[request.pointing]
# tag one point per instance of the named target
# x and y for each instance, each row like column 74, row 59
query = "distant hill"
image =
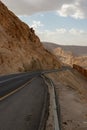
column 76, row 50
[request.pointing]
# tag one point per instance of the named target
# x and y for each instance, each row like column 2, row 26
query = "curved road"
column 23, row 101
column 23, row 110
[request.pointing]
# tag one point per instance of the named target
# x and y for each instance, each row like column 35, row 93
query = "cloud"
column 64, row 36
column 73, row 8
column 61, row 30
column 36, row 24
column 77, row 32
column 22, row 7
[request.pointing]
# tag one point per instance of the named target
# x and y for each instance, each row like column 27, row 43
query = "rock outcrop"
column 68, row 58
column 20, row 48
column 69, row 55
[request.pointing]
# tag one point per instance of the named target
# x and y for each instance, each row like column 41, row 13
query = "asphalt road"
column 9, row 83
column 24, row 109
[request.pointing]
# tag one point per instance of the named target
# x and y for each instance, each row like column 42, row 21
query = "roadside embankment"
column 71, row 90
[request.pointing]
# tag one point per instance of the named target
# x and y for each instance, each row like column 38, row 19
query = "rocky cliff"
column 69, row 58
column 69, row 55
column 20, row 48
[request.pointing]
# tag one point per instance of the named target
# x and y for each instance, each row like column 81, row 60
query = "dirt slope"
column 20, row 48
column 71, row 92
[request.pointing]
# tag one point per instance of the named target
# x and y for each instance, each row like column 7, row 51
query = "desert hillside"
column 69, row 55
column 20, row 48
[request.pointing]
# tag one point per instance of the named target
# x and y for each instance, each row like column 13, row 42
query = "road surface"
column 23, row 110
column 23, row 100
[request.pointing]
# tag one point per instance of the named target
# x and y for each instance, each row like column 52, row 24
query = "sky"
column 58, row 21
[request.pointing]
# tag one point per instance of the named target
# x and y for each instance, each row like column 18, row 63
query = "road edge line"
column 16, row 90
column 45, row 110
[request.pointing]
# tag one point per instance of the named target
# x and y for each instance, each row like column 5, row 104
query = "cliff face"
column 68, row 58
column 69, row 55
column 20, row 48
column 65, row 57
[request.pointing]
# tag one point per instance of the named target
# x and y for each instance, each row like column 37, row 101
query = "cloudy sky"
column 59, row 21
